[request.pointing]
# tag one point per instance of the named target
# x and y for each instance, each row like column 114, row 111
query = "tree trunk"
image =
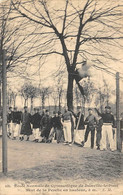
column 70, row 92
column 101, row 106
column 27, row 102
column 14, row 101
column 0, row 97
column 24, row 102
column 49, row 103
column 43, row 102
column 31, row 104
column 59, row 102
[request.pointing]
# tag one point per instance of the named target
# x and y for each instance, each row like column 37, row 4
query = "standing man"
column 10, row 122
column 26, row 124
column 53, row 129
column 58, row 127
column 99, row 132
column 16, row 121
column 108, row 123
column 36, row 120
column 46, row 126
column 91, row 122
column 80, row 127
column 67, row 121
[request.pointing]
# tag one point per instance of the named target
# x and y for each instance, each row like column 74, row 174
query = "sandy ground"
column 41, row 163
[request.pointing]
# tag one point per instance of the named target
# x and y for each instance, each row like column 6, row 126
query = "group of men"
column 42, row 126
column 104, row 125
column 67, row 127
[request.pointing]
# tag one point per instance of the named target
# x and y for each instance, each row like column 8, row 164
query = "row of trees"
column 93, row 96
column 30, row 92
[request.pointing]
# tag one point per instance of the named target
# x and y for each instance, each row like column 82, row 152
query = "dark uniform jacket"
column 67, row 116
column 57, row 122
column 10, row 117
column 17, row 117
column 26, row 126
column 107, row 118
column 53, row 121
column 46, row 122
column 91, row 121
column 36, row 120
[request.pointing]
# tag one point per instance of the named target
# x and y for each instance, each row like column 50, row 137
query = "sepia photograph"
column 61, row 97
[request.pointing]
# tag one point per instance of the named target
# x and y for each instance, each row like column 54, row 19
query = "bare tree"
column 11, row 97
column 59, row 88
column 54, row 96
column 107, row 92
column 29, row 91
column 14, row 41
column 44, row 93
column 75, row 30
column 104, row 95
column 90, row 93
column 100, row 99
column 24, row 94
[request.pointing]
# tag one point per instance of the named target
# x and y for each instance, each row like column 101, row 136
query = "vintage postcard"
column 61, row 97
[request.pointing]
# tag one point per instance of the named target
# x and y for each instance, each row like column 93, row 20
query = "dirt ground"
column 41, row 163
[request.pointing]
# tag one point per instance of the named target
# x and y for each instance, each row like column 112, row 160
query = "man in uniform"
column 80, row 127
column 53, row 129
column 67, row 124
column 108, row 123
column 36, row 120
column 26, row 124
column 16, row 122
column 46, row 126
column 99, row 132
column 91, row 122
column 10, row 122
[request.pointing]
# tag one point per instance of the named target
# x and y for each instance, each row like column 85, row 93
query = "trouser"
column 92, row 136
column 67, row 131
column 98, row 137
column 16, row 130
column 107, row 133
column 79, row 135
column 58, row 135
column 47, row 132
column 52, row 133
column 36, row 133
column 10, row 128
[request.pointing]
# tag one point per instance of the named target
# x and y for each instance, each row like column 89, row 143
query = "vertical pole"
column 4, row 115
column 0, row 95
column 118, row 138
